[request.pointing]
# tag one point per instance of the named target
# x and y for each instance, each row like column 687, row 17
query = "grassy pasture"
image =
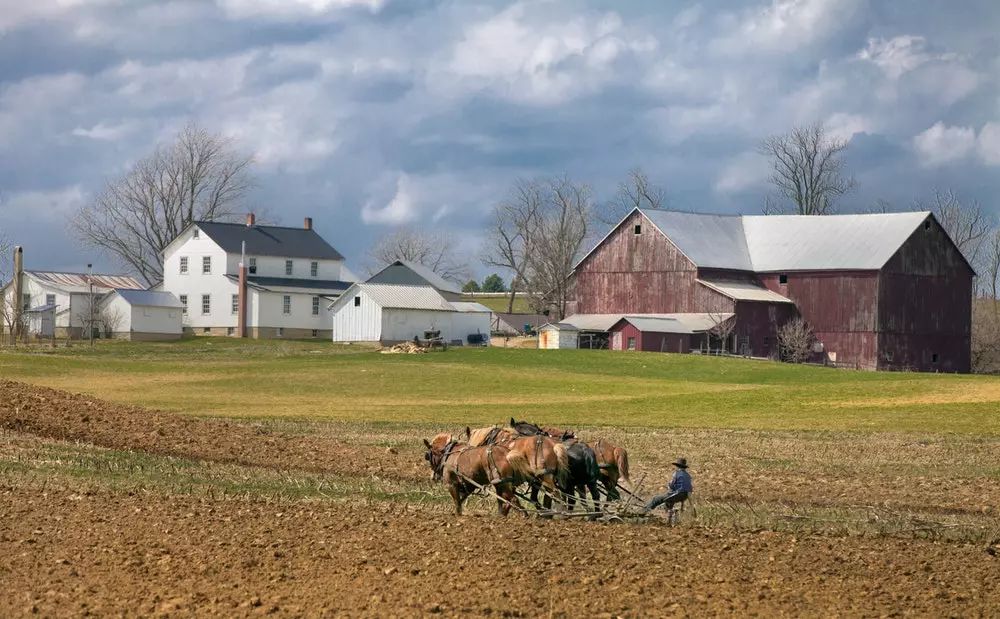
column 327, row 382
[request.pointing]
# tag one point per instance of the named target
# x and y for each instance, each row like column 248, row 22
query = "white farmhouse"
column 291, row 275
column 68, row 294
column 142, row 315
column 391, row 313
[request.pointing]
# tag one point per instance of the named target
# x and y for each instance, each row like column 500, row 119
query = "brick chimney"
column 251, row 220
column 308, row 224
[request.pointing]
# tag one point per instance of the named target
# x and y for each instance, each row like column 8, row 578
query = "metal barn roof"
column 470, row 306
column 592, row 322
column 744, row 291
column 152, row 298
column 767, row 243
column 406, row 297
column 269, row 240
column 677, row 323
column 418, row 272
column 80, row 282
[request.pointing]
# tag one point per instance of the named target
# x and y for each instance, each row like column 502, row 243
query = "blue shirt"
column 681, row 482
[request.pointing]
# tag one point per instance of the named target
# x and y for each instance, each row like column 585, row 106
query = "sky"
column 371, row 114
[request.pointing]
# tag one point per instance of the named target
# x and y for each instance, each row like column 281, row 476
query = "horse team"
column 549, row 461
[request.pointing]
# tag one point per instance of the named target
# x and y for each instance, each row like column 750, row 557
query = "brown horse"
column 548, row 458
column 465, row 469
column 583, row 470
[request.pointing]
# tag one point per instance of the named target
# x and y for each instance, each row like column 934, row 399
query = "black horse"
column 583, row 470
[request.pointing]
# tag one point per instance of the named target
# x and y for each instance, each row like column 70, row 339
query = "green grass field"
column 499, row 304
column 323, row 381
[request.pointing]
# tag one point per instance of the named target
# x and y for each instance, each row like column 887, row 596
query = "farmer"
column 677, row 490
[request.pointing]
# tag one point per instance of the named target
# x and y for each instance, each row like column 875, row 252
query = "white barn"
column 69, row 296
column 391, row 313
column 143, row 315
column 292, row 274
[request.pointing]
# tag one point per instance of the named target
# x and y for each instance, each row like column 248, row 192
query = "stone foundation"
column 146, row 337
column 263, row 333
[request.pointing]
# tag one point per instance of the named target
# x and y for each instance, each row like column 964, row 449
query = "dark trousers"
column 668, row 499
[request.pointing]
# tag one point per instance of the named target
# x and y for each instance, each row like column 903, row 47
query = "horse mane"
column 478, row 436
column 439, row 441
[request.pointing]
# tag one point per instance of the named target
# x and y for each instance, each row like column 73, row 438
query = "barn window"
column 315, row 306
column 631, row 343
column 197, row 234
column 314, row 268
column 206, row 329
column 236, row 303
column 934, row 357
column 286, row 304
column 288, row 267
column 184, row 302
column 279, row 332
column 253, row 264
column 184, row 265
column 230, row 330
column 206, row 265
column 637, row 229
column 315, row 332
column 888, row 355
column 206, row 304
column 927, row 224
column 50, row 299
column 357, row 301
column 782, row 279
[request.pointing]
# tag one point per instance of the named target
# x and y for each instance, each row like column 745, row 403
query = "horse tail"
column 521, row 467
column 562, row 467
column 621, row 458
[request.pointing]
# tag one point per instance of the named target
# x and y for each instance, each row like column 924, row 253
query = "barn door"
column 616, row 340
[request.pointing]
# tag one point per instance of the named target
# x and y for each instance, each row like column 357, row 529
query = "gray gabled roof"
column 406, row 273
column 284, row 283
column 768, row 243
column 151, row 298
column 269, row 240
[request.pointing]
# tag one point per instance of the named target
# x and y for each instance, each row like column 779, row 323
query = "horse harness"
column 603, row 465
column 493, row 470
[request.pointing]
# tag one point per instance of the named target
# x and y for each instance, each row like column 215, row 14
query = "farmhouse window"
column 206, row 329
column 280, row 332
column 315, row 333
column 314, row 269
column 286, row 304
column 206, row 304
column 315, row 306
column 253, row 264
column 230, row 330
column 631, row 343
column 236, row 303
column 357, row 301
column 637, row 229
column 25, row 301
column 184, row 302
column 206, row 265
column 288, row 267
column 782, row 279
column 184, row 265
column 50, row 299
column 196, row 234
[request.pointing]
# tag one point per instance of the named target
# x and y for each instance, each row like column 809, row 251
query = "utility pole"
column 90, row 280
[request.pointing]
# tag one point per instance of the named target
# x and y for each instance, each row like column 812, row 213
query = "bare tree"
column 538, row 233
column 986, row 336
column 199, row 177
column 634, row 192
column 108, row 319
column 722, row 329
column 795, row 341
column 966, row 223
column 7, row 310
column 807, row 170
column 438, row 251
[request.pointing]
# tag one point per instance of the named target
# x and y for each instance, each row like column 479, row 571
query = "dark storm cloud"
column 368, row 114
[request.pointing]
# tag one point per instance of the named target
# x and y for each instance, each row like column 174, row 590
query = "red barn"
column 880, row 291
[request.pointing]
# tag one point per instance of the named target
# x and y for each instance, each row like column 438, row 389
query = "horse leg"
column 595, row 495
column 534, row 494
column 505, row 499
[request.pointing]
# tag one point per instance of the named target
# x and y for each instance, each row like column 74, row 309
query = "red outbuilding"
column 880, row 291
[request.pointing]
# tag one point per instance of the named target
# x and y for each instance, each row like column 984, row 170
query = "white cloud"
column 786, row 25
column 293, row 9
column 105, row 131
column 843, row 126
column 941, row 144
column 988, row 143
column 14, row 13
column 401, row 208
column 897, row 55
column 50, row 206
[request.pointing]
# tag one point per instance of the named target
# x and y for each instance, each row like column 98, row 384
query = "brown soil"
column 60, row 415
column 63, row 553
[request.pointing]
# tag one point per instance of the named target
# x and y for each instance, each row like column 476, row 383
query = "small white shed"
column 391, row 313
column 555, row 335
column 141, row 315
column 41, row 321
